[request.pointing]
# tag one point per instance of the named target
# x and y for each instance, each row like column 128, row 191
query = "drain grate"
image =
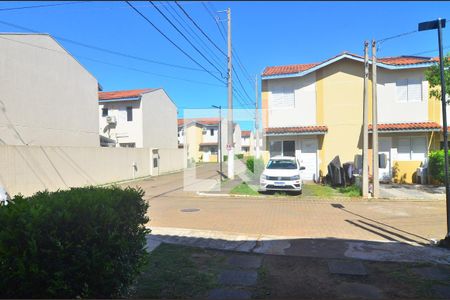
column 189, row 210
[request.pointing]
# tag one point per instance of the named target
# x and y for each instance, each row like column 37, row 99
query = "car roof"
column 279, row 157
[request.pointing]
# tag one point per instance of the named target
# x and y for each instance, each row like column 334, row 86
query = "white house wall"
column 392, row 111
column 46, row 96
column 125, row 131
column 304, row 111
column 208, row 138
column 160, row 125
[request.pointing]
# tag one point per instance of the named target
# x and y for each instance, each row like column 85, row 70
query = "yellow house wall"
column 340, row 93
column 405, row 171
column 193, row 138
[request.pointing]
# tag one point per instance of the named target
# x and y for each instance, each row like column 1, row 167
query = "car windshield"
column 282, row 164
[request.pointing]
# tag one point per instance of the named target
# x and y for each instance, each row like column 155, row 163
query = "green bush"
column 436, row 165
column 255, row 166
column 239, row 156
column 84, row 242
column 225, row 157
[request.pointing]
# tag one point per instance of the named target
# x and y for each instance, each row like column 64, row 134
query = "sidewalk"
column 298, row 246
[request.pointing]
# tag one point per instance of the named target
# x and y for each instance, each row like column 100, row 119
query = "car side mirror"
column 302, row 168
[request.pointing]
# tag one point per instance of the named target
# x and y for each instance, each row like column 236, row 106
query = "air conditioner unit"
column 111, row 120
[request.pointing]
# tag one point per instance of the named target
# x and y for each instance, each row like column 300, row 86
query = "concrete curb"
column 298, row 246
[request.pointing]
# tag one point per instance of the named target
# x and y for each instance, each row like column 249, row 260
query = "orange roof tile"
column 406, row 60
column 205, row 121
column 245, row 133
column 289, row 69
column 407, row 126
column 300, row 129
column 122, row 94
column 394, row 61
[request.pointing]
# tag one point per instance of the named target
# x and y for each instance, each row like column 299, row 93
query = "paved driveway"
column 412, row 191
column 396, row 220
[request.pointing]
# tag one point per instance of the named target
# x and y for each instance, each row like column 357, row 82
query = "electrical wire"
column 201, row 30
column 41, row 6
column 380, row 41
column 191, row 31
column 184, row 36
column 173, row 43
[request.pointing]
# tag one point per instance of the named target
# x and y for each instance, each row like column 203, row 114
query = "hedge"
column 84, row 242
column 255, row 166
column 436, row 165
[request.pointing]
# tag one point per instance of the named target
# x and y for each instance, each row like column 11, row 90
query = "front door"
column 308, row 158
column 384, row 147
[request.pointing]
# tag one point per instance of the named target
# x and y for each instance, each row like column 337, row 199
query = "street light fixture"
column 439, row 24
column 219, row 152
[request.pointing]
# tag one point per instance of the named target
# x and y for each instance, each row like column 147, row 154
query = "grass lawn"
column 175, row 272
column 244, row 189
column 310, row 189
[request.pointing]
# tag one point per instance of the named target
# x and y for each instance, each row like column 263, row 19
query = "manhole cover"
column 190, row 209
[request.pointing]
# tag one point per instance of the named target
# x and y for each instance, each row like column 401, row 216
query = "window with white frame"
column 283, row 97
column 409, row 90
column 283, row 148
column 412, row 148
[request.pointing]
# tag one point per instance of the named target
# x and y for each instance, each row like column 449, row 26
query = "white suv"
column 282, row 173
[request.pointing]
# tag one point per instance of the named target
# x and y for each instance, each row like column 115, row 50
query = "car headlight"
column 263, row 177
column 296, row 177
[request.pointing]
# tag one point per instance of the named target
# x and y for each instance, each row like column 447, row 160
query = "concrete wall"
column 160, row 125
column 28, row 169
column 46, row 96
column 171, row 160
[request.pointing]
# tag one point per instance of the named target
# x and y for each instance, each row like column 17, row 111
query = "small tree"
column 432, row 74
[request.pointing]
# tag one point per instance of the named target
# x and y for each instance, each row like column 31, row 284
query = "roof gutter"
column 296, row 133
column 119, row 99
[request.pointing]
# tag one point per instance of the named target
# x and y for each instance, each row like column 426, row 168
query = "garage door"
column 308, row 158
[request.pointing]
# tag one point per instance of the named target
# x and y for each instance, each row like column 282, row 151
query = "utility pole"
column 375, row 163
column 219, row 152
column 439, row 24
column 256, row 118
column 365, row 175
column 230, row 142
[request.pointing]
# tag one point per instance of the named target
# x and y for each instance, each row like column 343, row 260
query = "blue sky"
column 264, row 34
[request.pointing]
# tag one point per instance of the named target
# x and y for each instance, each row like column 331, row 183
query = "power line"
column 395, row 36
column 241, row 85
column 106, row 50
column 428, row 51
column 201, row 30
column 190, row 43
column 221, row 31
column 41, row 6
column 194, row 34
column 172, row 42
column 110, row 64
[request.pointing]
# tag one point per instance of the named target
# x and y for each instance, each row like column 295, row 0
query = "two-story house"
column 247, row 141
column 138, row 118
column 200, row 138
column 315, row 112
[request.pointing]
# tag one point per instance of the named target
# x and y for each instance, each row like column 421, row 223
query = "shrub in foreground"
column 84, row 242
column 255, row 166
column 436, row 165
